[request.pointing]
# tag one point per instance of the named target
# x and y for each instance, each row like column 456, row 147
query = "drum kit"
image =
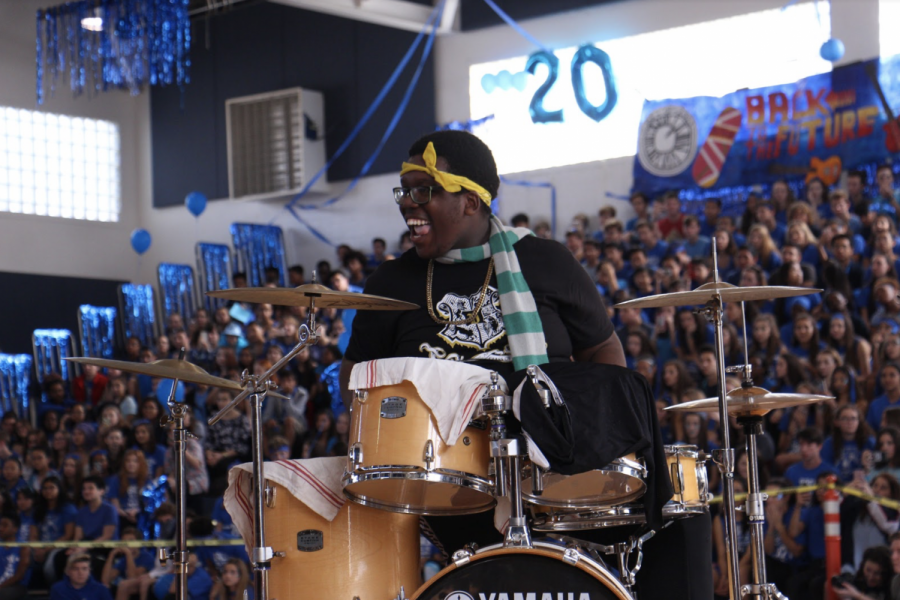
column 399, row 468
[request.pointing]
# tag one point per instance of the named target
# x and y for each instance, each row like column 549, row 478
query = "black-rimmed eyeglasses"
column 419, row 194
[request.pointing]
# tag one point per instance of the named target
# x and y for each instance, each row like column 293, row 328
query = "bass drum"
column 545, row 571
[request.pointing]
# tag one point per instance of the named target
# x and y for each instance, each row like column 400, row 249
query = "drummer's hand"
column 847, row 590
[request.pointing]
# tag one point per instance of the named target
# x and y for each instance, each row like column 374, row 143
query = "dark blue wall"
column 268, row 47
column 476, row 14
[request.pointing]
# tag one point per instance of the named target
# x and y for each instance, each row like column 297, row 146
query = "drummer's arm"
column 346, row 395
column 609, row 352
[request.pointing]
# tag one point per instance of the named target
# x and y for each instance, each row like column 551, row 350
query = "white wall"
column 55, row 246
column 65, row 247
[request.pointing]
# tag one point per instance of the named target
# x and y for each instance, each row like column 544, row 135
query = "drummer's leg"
column 679, row 557
column 455, row 532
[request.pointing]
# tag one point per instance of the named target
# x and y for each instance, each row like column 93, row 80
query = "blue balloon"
column 488, row 83
column 520, row 80
column 164, row 388
column 832, row 50
column 538, row 113
column 140, row 240
column 504, row 80
column 196, row 203
column 590, row 53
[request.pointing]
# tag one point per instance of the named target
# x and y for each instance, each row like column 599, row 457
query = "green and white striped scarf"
column 520, row 316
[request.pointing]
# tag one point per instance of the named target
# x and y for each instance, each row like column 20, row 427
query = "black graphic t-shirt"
column 570, row 307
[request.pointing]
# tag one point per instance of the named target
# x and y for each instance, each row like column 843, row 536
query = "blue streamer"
column 389, row 84
column 176, row 284
column 98, row 330
column 153, row 494
column 138, row 312
column 538, row 184
column 464, row 126
column 215, row 269
column 518, row 28
column 15, row 375
column 51, row 346
column 618, row 196
column 141, row 42
column 258, row 247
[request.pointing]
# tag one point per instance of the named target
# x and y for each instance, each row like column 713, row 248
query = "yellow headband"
column 450, row 182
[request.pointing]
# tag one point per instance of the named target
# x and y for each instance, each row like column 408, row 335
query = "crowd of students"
column 843, row 342
column 87, row 470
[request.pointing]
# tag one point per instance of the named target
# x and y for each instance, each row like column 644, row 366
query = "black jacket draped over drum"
column 609, row 413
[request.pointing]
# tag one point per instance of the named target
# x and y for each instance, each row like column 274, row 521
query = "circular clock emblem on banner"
column 668, row 141
column 458, row 596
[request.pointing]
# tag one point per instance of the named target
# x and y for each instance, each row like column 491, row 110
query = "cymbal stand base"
column 756, row 516
column 767, row 591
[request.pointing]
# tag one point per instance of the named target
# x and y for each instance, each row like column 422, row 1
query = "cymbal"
column 309, row 293
column 167, row 368
column 749, row 401
column 729, row 293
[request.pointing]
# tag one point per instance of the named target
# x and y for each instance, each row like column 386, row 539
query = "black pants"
column 678, row 557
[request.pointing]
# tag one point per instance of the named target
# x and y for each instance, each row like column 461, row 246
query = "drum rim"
column 625, row 514
column 635, row 472
column 688, row 450
column 540, row 548
column 465, row 480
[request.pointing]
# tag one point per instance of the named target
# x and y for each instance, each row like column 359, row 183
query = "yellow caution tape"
column 122, row 544
column 846, row 489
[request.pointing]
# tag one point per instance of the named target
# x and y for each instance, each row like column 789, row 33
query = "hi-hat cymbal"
column 168, row 368
column 749, row 401
column 728, row 292
column 309, row 293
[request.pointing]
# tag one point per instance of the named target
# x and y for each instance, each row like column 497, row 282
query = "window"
column 58, row 166
column 706, row 59
column 888, row 41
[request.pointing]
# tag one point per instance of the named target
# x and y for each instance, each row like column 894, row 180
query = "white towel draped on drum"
column 451, row 389
column 315, row 481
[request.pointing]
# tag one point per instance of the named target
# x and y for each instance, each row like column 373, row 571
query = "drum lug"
column 571, row 556
column 361, row 395
column 428, row 455
column 461, row 557
column 356, row 454
column 270, row 495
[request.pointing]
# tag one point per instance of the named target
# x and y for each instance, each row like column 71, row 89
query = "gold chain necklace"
column 473, row 316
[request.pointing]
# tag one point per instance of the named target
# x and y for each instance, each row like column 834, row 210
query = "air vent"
column 275, row 143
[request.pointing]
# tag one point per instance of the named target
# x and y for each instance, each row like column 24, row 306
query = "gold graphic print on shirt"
column 485, row 332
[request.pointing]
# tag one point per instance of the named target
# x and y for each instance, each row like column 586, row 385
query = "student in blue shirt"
column 15, row 562
column 154, row 454
column 78, row 584
column 25, row 508
column 811, row 464
column 784, row 552
column 55, row 517
column 124, row 489
column 199, row 582
column 12, row 477
column 890, row 383
column 844, row 449
column 96, row 521
column 127, row 563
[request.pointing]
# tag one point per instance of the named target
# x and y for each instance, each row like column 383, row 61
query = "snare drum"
column 398, row 461
column 545, row 571
column 688, row 476
column 620, row 482
column 363, row 552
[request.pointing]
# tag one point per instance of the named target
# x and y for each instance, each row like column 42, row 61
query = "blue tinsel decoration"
column 15, row 373
column 51, row 346
column 138, row 312
column 98, row 330
column 139, row 42
column 176, row 284
column 215, row 272
column 258, row 247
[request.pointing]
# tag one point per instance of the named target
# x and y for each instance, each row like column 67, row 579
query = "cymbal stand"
column 178, row 556
column 255, row 389
column 507, row 454
column 756, row 516
column 724, row 457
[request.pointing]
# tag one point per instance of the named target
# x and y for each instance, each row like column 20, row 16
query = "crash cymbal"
column 168, row 368
column 729, row 293
column 309, row 293
column 749, row 401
